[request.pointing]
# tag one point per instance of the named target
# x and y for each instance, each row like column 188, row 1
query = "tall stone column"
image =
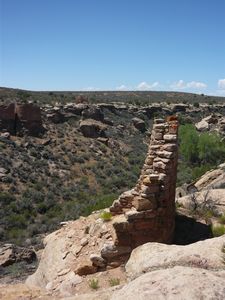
column 147, row 212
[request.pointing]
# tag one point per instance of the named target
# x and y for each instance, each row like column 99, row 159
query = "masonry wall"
column 20, row 118
column 147, row 212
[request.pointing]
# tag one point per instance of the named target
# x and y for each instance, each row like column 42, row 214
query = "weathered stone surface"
column 109, row 251
column 165, row 154
column 143, row 204
column 93, row 112
column 202, row 126
column 139, row 124
column 170, row 138
column 92, row 128
column 212, row 179
column 20, row 118
column 56, row 117
column 213, row 200
column 207, row 254
column 28, row 118
column 7, row 117
column 175, row 283
column 97, row 260
column 85, row 267
column 10, row 254
column 157, row 179
column 170, row 147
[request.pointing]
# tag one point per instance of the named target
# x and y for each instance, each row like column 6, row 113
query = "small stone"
column 154, row 177
column 159, row 121
column 97, row 260
column 159, row 165
column 170, row 147
column 85, row 267
column 143, row 204
column 5, row 135
column 170, row 137
column 165, row 154
column 84, row 242
column 159, row 126
column 158, row 135
column 109, row 250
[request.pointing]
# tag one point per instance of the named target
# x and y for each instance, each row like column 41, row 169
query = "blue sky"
column 113, row 45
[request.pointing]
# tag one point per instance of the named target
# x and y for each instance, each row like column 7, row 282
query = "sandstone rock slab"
column 207, row 254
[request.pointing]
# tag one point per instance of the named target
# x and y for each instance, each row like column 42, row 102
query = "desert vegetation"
column 199, row 152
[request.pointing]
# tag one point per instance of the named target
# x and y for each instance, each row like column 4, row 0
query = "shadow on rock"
column 188, row 230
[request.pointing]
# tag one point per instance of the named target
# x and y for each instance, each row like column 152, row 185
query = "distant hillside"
column 132, row 97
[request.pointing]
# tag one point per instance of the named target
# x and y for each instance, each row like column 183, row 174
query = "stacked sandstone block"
column 21, row 118
column 147, row 212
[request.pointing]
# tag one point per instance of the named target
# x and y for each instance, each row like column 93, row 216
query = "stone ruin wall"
column 18, row 118
column 147, row 212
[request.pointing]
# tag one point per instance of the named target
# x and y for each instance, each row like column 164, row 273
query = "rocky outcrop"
column 10, row 254
column 92, row 128
column 202, row 126
column 212, row 200
column 207, row 193
column 139, row 124
column 77, row 249
column 93, row 112
column 158, row 271
column 212, row 179
column 214, row 122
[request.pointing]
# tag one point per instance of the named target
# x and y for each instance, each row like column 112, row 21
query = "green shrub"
column 114, row 281
column 106, row 215
column 222, row 219
column 94, row 283
column 196, row 104
column 6, row 198
column 218, row 230
column 198, row 153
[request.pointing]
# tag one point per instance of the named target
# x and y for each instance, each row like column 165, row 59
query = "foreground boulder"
column 175, row 283
column 207, row 254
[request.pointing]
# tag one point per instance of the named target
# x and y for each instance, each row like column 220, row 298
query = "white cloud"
column 221, row 84
column 178, row 85
column 181, row 85
column 91, row 88
column 155, row 84
column 219, row 93
column 196, row 85
column 144, row 86
column 122, row 87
